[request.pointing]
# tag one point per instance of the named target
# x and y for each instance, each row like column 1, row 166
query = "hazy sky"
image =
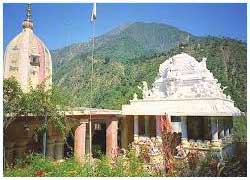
column 59, row 25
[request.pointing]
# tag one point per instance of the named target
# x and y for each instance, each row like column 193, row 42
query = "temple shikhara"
column 27, row 59
column 184, row 92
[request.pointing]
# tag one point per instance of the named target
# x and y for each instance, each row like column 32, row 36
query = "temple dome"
column 179, row 63
column 27, row 59
column 183, row 86
column 182, row 76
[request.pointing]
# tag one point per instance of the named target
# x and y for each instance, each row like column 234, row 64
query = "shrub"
column 240, row 129
column 38, row 166
column 32, row 165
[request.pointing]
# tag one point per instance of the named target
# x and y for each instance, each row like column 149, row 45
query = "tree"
column 35, row 102
column 12, row 97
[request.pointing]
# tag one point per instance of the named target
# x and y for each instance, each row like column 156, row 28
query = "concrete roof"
column 93, row 111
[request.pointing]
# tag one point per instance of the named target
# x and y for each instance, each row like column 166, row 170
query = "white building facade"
column 188, row 94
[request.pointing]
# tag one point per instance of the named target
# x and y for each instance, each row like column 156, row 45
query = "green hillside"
column 127, row 41
column 132, row 53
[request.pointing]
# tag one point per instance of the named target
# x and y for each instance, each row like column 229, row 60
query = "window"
column 97, row 127
column 34, row 60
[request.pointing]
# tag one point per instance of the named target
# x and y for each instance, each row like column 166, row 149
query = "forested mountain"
column 132, row 53
column 127, row 41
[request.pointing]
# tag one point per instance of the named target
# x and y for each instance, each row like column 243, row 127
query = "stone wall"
column 150, row 150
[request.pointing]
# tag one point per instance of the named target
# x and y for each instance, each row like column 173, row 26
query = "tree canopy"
column 36, row 102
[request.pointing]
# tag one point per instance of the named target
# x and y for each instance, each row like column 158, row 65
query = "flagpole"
column 91, row 87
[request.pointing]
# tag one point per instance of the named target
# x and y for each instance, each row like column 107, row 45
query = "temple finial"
column 27, row 23
column 28, row 13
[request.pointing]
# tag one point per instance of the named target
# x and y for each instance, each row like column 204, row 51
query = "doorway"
column 69, row 144
column 99, row 139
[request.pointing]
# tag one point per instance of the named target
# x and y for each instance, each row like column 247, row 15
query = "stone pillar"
column 146, row 121
column 226, row 128
column 214, row 132
column 158, row 127
column 9, row 154
column 221, row 129
column 111, row 137
column 80, row 135
column 87, row 141
column 20, row 148
column 51, row 148
column 184, row 133
column 136, row 128
column 59, row 149
column 124, row 133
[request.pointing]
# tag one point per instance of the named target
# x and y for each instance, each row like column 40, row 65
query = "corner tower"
column 27, row 59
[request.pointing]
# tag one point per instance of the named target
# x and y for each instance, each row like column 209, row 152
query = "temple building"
column 186, row 91
column 27, row 59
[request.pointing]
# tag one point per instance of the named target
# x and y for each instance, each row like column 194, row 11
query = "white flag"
column 93, row 15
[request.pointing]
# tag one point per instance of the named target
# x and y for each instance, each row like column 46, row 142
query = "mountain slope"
column 127, row 57
column 60, row 56
column 126, row 42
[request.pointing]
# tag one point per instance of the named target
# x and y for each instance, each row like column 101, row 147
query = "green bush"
column 240, row 129
column 128, row 165
column 32, row 165
column 121, row 166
